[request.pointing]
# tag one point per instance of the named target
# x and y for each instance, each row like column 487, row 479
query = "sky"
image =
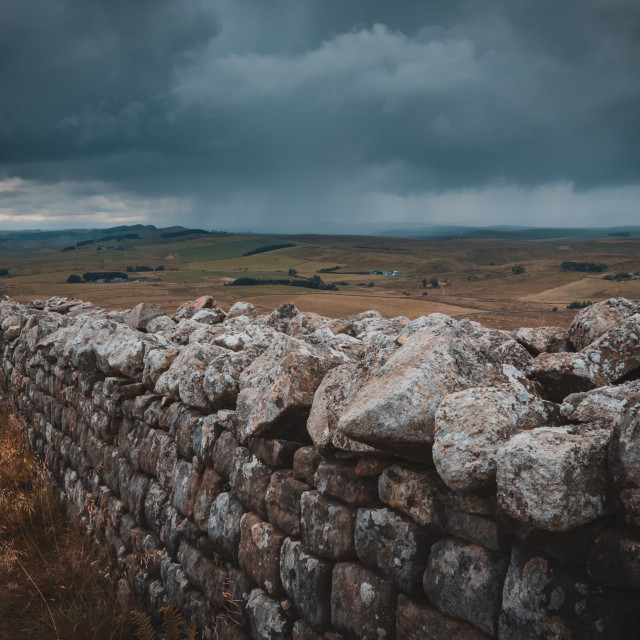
column 319, row 115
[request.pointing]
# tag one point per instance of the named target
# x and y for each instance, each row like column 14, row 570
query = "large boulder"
column 394, row 408
column 596, row 319
column 472, row 425
column 554, row 479
column 544, row 340
column 277, row 388
column 142, row 314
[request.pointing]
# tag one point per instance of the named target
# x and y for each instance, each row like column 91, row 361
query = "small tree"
column 424, row 283
column 434, row 283
column 74, row 279
column 518, row 269
column 292, row 272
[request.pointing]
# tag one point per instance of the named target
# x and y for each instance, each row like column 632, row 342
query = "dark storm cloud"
column 248, row 112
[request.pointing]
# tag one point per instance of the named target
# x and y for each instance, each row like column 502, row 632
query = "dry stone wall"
column 293, row 476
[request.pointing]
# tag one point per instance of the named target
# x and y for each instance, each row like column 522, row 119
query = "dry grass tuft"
column 54, row 582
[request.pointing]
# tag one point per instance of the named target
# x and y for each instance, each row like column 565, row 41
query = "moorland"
column 504, row 278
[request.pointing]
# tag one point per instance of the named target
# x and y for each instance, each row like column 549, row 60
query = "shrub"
column 579, row 305
column 74, row 279
column 518, row 269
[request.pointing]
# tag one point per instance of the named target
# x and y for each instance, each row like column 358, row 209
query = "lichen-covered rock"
column 596, row 319
column 555, row 479
column 411, row 491
column 184, row 379
column 472, row 425
column 242, row 309
column 277, row 388
column 266, row 618
column 327, row 527
column 259, row 553
column 223, row 527
column 395, row 409
column 396, row 546
column 544, row 340
column 624, row 461
column 338, row 479
column 142, row 314
column 604, row 404
column 307, row 581
column 362, row 603
column 283, row 501
column 189, row 309
column 465, row 580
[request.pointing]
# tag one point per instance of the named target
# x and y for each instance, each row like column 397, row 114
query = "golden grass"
column 54, row 582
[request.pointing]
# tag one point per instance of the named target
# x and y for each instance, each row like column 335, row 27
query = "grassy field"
column 476, row 274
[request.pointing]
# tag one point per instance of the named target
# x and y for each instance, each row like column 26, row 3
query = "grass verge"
column 54, row 582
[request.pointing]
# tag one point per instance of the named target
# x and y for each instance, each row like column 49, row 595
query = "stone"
column 160, row 324
column 472, row 425
column 614, row 560
column 327, row 527
column 563, row 374
column 204, row 573
column 544, row 340
column 410, row 490
column 184, row 380
column 305, row 464
column 189, row 309
column 555, row 479
column 302, row 631
column 156, row 362
column 307, row 581
column 283, row 501
column 186, row 484
column 465, row 580
column 249, row 481
column 267, row 620
column 210, row 487
column 277, row 453
column 239, row 309
column 277, row 388
column 209, row 316
column 624, row 450
column 339, row 480
column 595, row 320
column 475, row 528
column 604, row 404
column 362, row 604
column 395, row 409
column 259, row 553
column 541, row 599
column 395, row 546
column 419, row 621
column 222, row 454
column 142, row 314
column 223, row 527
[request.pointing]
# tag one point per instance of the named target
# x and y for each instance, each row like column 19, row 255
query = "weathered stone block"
column 223, row 527
column 472, row 425
column 305, row 464
column 555, row 479
column 210, row 486
column 465, row 580
column 339, row 480
column 410, row 490
column 277, row 453
column 249, row 481
column 362, row 604
column 186, row 484
column 474, row 528
column 283, row 501
column 327, row 527
column 204, row 573
column 222, row 454
column 259, row 553
column 307, row 581
column 267, row 620
column 154, row 504
column 419, row 621
column 394, row 545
